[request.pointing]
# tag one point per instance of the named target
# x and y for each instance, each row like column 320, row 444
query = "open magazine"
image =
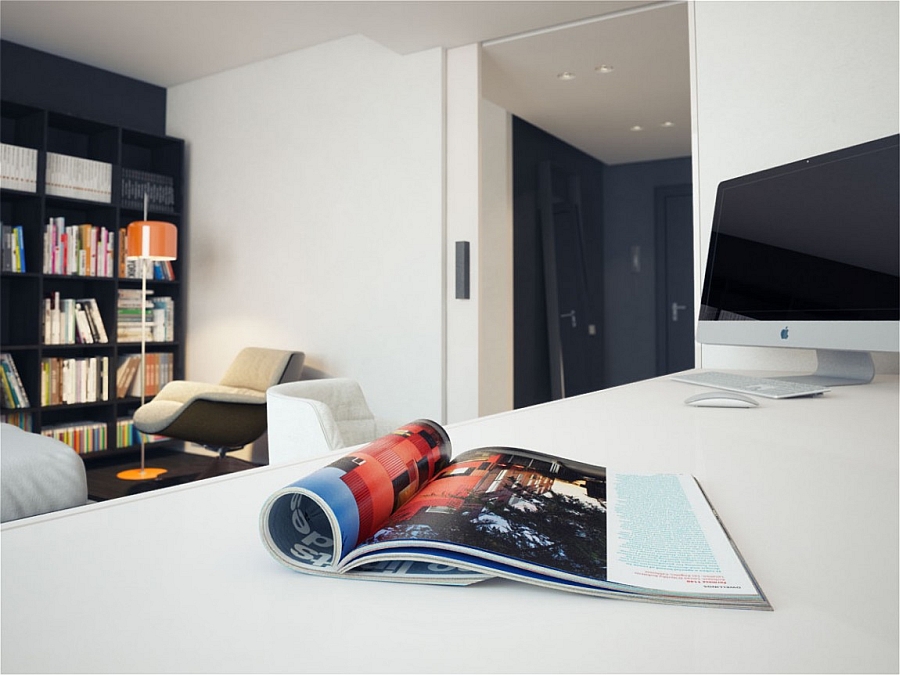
column 398, row 509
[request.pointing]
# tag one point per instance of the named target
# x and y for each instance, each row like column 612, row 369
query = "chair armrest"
column 300, row 428
column 311, row 417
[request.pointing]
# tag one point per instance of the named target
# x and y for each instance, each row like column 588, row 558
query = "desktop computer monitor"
column 807, row 255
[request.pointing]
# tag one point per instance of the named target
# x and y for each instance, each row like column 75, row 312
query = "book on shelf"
column 399, row 509
column 159, row 189
column 83, row 249
column 18, row 167
column 68, row 380
column 83, row 437
column 13, row 259
column 78, row 178
column 69, row 321
column 159, row 368
column 95, row 319
column 158, row 323
column 126, row 373
column 14, row 394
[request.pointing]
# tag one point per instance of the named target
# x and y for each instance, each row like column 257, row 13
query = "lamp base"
column 140, row 474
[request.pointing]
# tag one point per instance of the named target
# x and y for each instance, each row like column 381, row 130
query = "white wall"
column 463, row 224
column 775, row 82
column 315, row 183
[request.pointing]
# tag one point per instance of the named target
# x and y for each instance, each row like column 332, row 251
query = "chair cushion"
column 256, row 368
column 156, row 415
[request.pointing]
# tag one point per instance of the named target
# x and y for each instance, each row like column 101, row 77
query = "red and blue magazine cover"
column 401, row 509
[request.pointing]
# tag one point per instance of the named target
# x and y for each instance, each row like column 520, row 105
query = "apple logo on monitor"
column 784, row 333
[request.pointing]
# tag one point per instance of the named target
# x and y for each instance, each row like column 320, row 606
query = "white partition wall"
column 463, row 225
column 776, row 82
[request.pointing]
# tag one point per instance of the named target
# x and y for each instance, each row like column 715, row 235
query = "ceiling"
column 526, row 45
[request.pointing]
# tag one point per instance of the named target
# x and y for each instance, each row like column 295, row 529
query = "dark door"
column 675, row 279
column 572, row 331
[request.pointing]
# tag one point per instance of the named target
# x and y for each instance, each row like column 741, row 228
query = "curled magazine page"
column 316, row 521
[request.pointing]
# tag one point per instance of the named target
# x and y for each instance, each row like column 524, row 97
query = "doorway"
column 674, row 279
column 572, row 325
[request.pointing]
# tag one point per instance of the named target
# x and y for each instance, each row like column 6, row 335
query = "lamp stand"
column 144, row 473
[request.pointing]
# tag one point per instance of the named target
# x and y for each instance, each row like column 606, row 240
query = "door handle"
column 675, row 309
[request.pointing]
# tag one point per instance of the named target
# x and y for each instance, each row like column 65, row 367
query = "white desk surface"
column 178, row 580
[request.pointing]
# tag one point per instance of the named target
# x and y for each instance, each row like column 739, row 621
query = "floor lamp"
column 148, row 241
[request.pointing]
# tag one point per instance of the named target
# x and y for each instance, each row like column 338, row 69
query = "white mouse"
column 721, row 399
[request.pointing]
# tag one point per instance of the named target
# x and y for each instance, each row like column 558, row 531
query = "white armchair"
column 309, row 418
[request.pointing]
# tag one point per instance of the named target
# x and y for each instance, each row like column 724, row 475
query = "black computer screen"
column 814, row 240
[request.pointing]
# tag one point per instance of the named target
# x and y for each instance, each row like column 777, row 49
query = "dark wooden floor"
column 181, row 467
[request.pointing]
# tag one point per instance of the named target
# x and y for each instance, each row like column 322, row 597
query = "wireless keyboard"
column 757, row 386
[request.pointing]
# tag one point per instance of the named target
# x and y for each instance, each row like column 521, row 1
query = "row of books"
column 85, row 249
column 127, row 434
column 162, row 270
column 14, row 394
column 88, row 250
column 23, row 420
column 69, row 321
column 84, row 437
column 78, row 177
column 87, row 436
column 18, row 168
column 68, row 380
column 85, row 379
column 159, row 190
column 81, row 178
column 159, row 370
column 159, row 312
column 13, row 259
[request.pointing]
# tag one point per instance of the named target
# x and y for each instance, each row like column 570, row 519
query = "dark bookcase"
column 159, row 160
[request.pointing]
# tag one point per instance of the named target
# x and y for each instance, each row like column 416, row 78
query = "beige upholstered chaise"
column 224, row 416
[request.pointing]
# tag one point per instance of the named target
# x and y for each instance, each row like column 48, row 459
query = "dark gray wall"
column 531, row 146
column 619, row 213
column 630, row 300
column 39, row 79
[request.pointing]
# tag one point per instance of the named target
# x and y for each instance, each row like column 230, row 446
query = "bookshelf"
column 67, row 193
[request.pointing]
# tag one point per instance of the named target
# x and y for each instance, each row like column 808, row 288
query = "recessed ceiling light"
column 667, row 124
column 567, row 75
column 637, row 127
column 603, row 68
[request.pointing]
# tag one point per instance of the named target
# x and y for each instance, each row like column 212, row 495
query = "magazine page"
column 665, row 536
column 534, row 518
column 508, row 504
column 314, row 522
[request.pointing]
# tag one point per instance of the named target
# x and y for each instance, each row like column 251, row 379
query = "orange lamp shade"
column 152, row 240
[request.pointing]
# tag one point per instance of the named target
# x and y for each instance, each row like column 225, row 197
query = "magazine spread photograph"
column 399, row 509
